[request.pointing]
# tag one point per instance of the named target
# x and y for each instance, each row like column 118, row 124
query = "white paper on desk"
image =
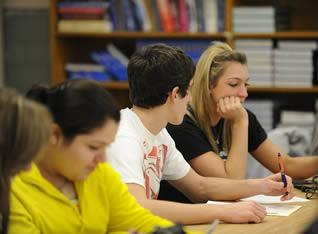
column 273, row 199
column 280, row 210
column 272, row 210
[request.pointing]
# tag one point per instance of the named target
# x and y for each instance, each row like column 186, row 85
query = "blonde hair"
column 25, row 129
column 210, row 67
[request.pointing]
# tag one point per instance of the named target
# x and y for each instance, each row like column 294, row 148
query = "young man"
column 144, row 153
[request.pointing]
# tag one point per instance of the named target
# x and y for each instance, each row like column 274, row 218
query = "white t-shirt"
column 142, row 158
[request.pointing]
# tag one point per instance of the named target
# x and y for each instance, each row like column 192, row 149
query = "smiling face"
column 233, row 82
column 77, row 159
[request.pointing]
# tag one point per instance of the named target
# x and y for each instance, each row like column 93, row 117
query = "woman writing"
column 25, row 129
column 218, row 132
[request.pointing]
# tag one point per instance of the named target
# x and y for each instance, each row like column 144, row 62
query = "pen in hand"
column 282, row 172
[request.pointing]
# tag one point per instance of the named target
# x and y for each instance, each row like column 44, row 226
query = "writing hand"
column 274, row 186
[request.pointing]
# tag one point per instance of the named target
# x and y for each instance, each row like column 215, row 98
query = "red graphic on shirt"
column 153, row 165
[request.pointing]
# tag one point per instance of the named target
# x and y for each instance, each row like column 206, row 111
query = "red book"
column 165, row 15
column 183, row 16
column 82, row 16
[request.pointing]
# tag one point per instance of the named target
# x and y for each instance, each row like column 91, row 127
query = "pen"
column 282, row 172
column 215, row 222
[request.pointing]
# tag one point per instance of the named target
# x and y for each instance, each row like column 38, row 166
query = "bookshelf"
column 75, row 47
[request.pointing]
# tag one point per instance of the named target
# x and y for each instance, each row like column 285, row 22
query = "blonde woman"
column 25, row 130
column 218, row 132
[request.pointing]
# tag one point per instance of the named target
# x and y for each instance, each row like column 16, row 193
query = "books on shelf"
column 144, row 15
column 111, row 65
column 300, row 45
column 260, row 19
column 83, row 26
column 292, row 54
column 259, row 57
column 293, row 84
column 294, row 68
column 83, row 16
column 315, row 65
column 293, row 63
column 268, row 11
column 86, row 71
column 165, row 14
column 211, row 15
column 200, row 16
column 221, row 15
column 183, row 16
column 81, row 10
column 253, row 43
column 116, row 53
column 297, row 118
column 192, row 15
column 113, row 61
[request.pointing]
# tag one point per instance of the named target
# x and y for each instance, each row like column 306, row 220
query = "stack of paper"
column 272, row 210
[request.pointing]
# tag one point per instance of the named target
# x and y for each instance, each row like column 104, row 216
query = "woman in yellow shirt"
column 24, row 131
column 70, row 189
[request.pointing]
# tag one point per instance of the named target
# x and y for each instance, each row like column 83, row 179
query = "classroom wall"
column 26, row 43
column 1, row 46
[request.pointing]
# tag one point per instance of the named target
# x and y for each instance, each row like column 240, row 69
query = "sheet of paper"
column 281, row 210
column 273, row 199
column 272, row 210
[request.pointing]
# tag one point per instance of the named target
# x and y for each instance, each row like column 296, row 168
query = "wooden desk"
column 297, row 222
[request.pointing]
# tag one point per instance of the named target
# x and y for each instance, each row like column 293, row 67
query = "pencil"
column 215, row 222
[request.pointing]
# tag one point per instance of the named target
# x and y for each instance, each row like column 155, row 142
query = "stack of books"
column 111, row 65
column 86, row 71
column 303, row 119
column 83, row 16
column 293, row 63
column 114, row 62
column 259, row 56
column 260, row 19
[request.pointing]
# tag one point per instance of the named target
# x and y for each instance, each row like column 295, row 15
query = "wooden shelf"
column 283, row 89
column 116, row 85
column 124, row 85
column 135, row 35
column 285, row 35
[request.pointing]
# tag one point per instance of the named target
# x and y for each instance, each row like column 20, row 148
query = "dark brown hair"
column 78, row 106
column 155, row 71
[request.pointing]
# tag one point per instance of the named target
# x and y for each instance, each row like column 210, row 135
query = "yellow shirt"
column 105, row 206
